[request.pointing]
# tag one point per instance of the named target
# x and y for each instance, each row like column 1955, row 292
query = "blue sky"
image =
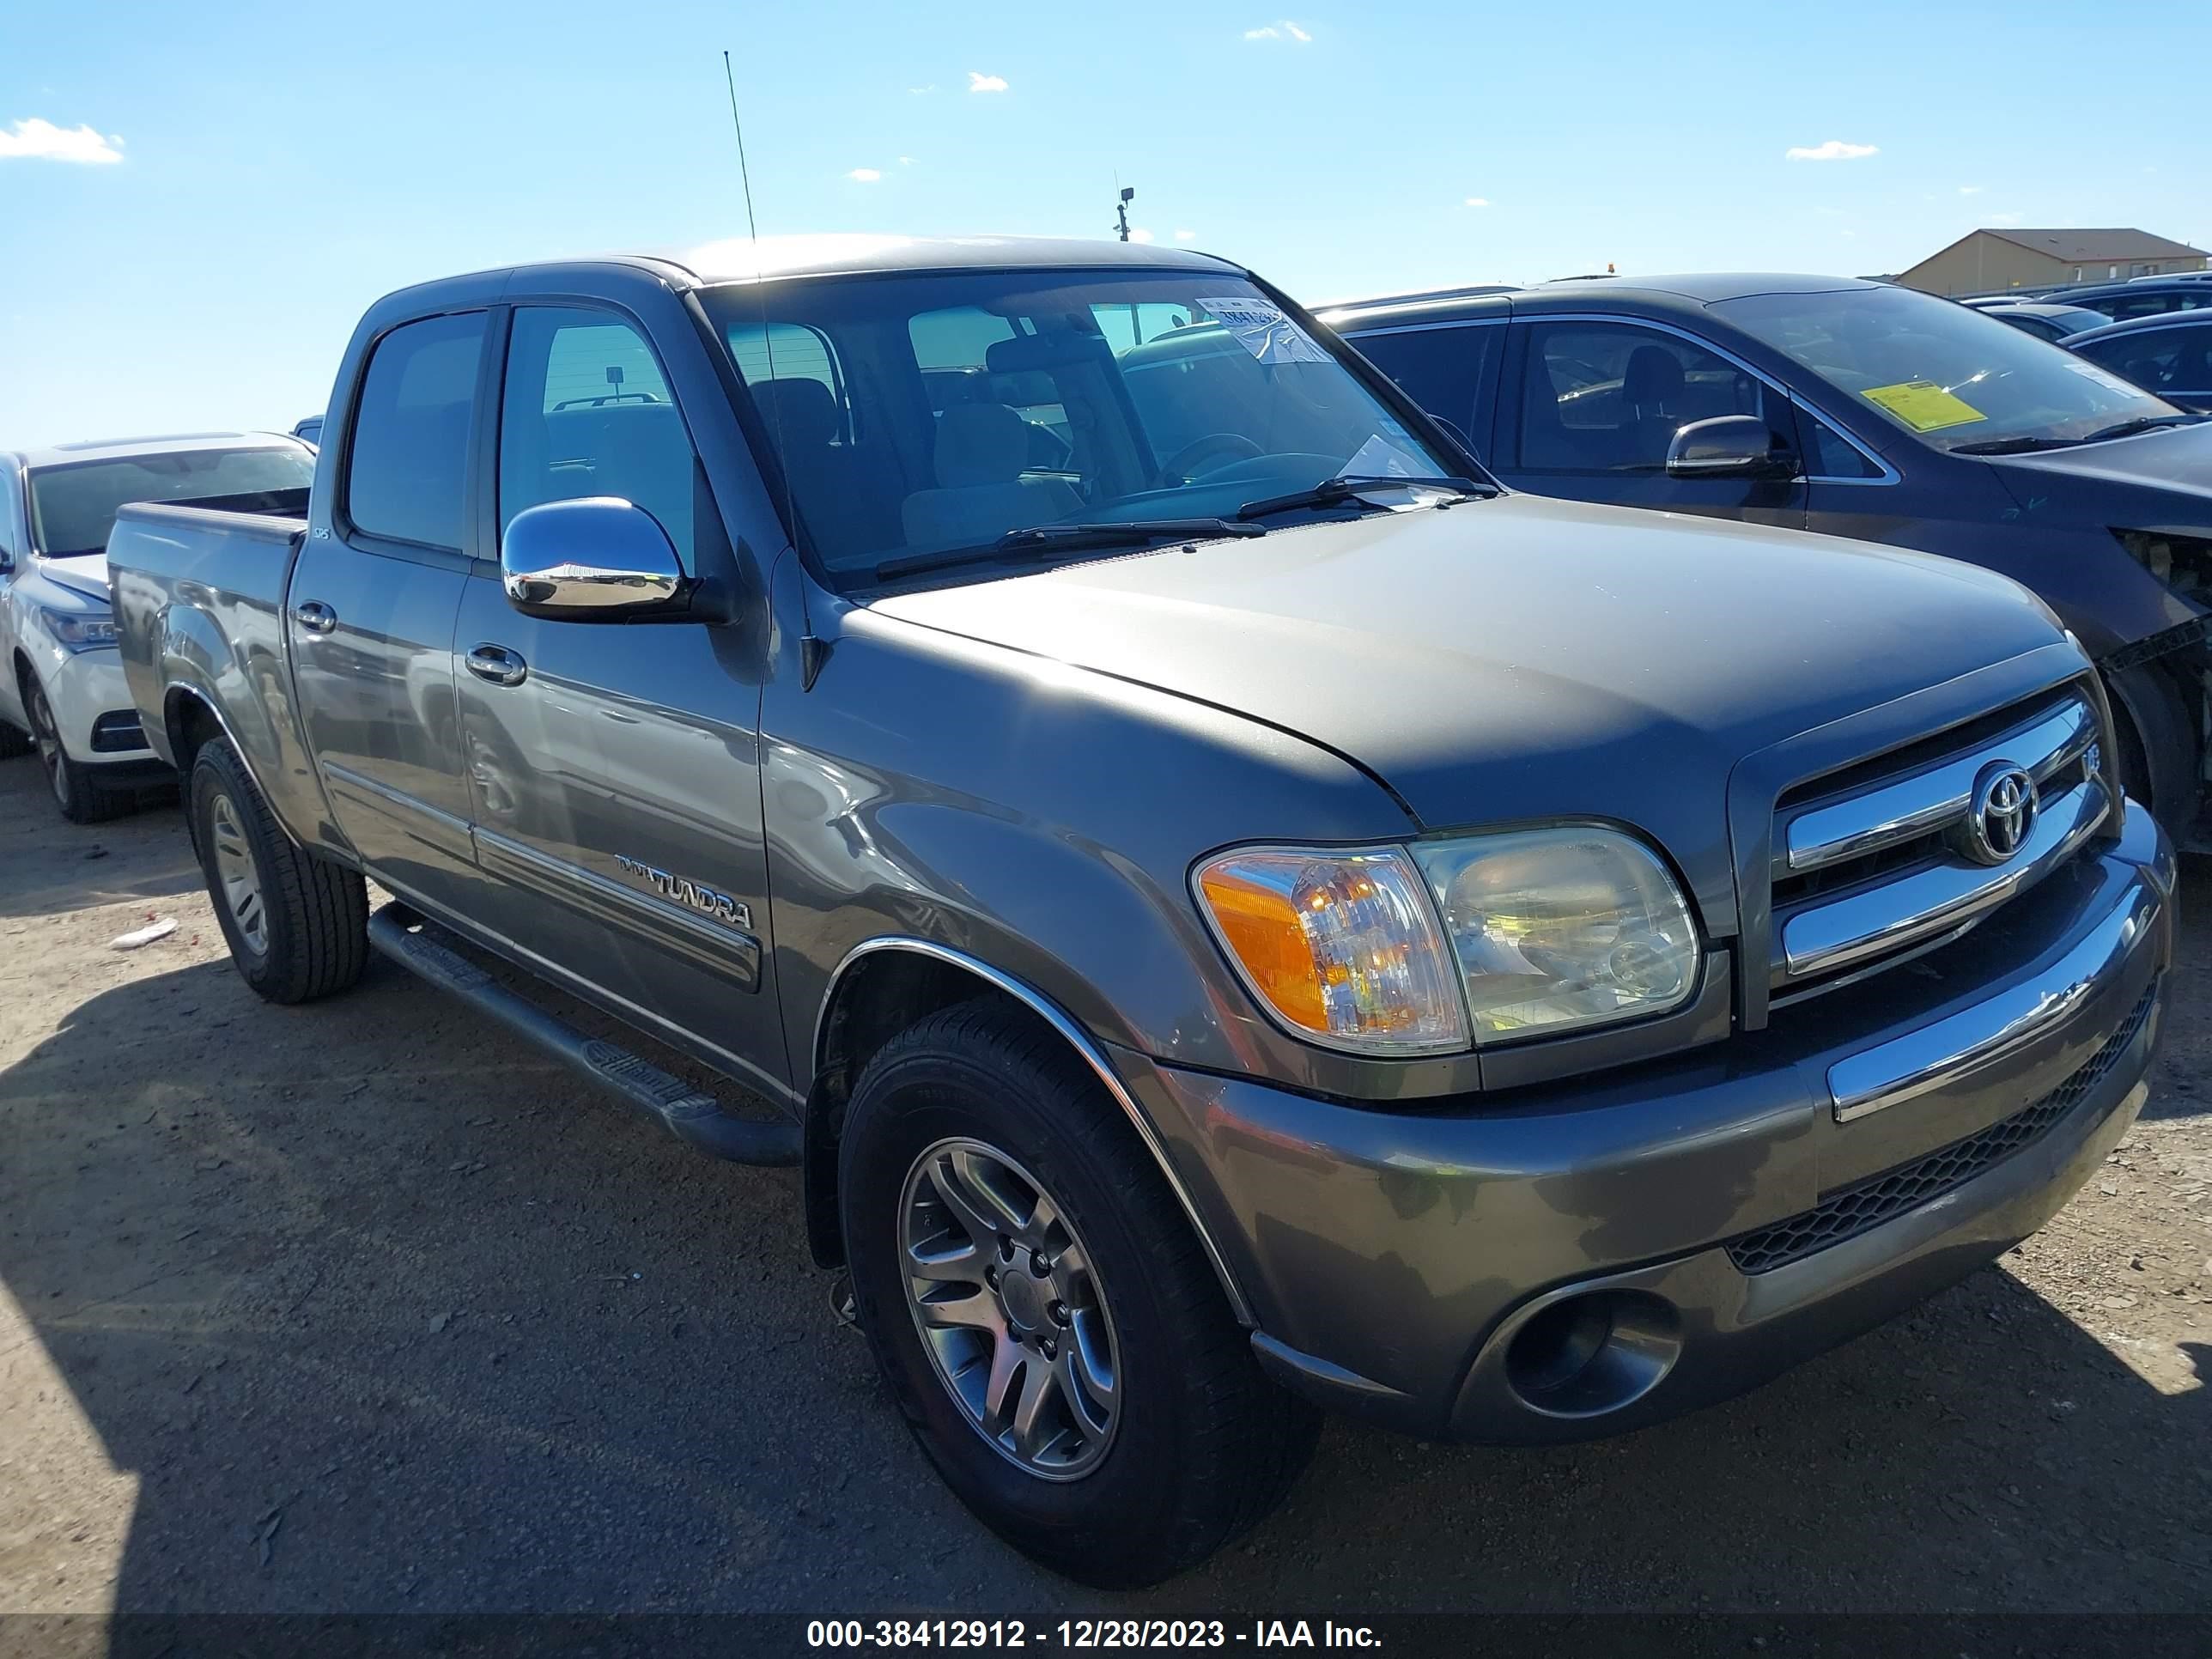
column 279, row 166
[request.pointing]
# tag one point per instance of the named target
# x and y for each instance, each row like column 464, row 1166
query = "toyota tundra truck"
column 1229, row 911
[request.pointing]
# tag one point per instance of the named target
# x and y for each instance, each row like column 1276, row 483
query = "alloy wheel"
column 239, row 876
column 48, row 737
column 1009, row 1308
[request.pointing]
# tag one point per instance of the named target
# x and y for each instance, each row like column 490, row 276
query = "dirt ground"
column 364, row 1307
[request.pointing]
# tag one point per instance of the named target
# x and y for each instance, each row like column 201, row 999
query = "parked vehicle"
column 2138, row 296
column 2045, row 321
column 1864, row 410
column 1235, row 912
column 2169, row 355
column 1996, row 301
column 309, row 429
column 62, row 693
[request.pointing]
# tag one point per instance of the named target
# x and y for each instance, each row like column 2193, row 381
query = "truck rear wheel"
column 1043, row 1313
column 297, row 925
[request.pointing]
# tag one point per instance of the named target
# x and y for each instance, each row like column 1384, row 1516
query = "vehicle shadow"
column 384, row 1314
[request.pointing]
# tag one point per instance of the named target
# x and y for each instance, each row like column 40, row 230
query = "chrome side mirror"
column 1728, row 446
column 598, row 558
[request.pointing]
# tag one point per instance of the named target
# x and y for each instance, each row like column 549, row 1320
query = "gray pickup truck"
column 1229, row 910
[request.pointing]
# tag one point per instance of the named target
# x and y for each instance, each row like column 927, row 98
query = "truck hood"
column 85, row 574
column 1519, row 657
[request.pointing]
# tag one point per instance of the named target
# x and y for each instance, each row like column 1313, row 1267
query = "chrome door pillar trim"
column 1076, row 1038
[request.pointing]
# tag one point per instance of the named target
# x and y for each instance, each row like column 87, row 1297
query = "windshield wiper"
column 2146, row 424
column 1042, row 540
column 2124, row 430
column 1329, row 492
column 2016, row 446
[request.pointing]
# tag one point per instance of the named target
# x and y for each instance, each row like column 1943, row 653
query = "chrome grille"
column 1880, row 867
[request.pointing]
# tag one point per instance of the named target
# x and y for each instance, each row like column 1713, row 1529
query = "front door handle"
column 315, row 616
column 497, row 664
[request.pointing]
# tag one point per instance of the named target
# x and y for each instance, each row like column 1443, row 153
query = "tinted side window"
column 2158, row 360
column 1827, row 453
column 1609, row 397
column 1439, row 369
column 586, row 411
column 408, row 454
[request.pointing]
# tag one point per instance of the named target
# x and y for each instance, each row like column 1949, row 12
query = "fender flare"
column 1078, row 1039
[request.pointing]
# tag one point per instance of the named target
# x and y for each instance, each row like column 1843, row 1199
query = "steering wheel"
column 1231, row 446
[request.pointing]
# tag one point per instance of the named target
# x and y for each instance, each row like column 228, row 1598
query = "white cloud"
column 864, row 175
column 906, row 161
column 1834, row 150
column 1139, row 234
column 1970, row 190
column 35, row 140
column 1282, row 31
column 921, row 92
column 1297, row 33
column 1478, row 201
column 1186, row 236
column 979, row 81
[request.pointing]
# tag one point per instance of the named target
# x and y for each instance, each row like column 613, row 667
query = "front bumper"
column 1584, row 1258
column 94, row 711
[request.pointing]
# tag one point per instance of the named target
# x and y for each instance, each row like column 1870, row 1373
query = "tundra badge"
column 697, row 894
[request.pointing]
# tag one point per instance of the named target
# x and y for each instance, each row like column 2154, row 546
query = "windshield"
column 919, row 415
column 73, row 506
column 1947, row 374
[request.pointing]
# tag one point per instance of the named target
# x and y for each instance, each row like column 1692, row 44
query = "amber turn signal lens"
column 1341, row 947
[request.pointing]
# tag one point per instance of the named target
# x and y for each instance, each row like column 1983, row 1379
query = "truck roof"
column 108, row 449
column 740, row 258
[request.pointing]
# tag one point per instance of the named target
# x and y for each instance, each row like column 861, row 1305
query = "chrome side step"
column 690, row 1115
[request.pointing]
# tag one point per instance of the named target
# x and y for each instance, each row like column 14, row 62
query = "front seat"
column 980, row 452
column 804, row 426
column 1652, row 390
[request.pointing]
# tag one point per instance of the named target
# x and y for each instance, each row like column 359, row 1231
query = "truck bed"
column 199, row 591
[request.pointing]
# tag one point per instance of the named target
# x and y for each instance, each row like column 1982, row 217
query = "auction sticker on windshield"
column 1262, row 330
column 1923, row 406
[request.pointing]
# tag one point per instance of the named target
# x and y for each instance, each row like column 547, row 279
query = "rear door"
column 614, row 769
column 372, row 605
column 1589, row 406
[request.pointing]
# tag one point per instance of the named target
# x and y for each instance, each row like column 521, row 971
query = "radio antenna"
column 813, row 652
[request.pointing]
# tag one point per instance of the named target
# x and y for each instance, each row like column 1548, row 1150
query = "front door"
column 1589, row 407
column 614, row 769
column 373, row 601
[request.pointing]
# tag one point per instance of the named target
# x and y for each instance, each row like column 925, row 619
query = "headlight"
column 1559, row 929
column 79, row 630
column 1342, row 947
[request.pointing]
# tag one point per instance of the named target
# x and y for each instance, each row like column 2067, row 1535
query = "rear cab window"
column 407, row 453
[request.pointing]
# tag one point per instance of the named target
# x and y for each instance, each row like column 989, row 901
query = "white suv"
column 62, row 694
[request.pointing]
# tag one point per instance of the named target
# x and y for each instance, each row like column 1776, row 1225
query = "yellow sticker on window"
column 1923, row 406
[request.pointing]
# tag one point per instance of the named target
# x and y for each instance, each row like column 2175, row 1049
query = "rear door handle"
column 315, row 616
column 498, row 665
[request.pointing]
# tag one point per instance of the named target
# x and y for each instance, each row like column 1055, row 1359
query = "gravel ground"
column 364, row 1307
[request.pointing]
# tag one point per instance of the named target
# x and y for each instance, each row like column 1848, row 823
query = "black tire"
column 1204, row 1443
column 14, row 744
column 313, row 914
column 76, row 788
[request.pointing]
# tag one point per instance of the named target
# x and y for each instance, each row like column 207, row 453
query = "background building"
column 1983, row 260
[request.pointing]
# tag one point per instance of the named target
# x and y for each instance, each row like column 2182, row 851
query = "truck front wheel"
column 1043, row 1313
column 297, row 925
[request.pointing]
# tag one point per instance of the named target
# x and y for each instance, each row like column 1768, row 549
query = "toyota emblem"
column 2000, row 813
